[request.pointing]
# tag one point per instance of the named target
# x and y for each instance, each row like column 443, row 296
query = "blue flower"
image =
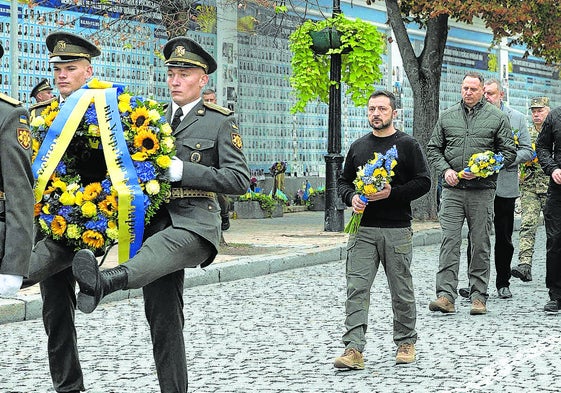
column 147, row 202
column 61, row 168
column 106, row 186
column 99, row 224
column 48, row 218
column 65, row 212
column 145, row 170
column 91, row 116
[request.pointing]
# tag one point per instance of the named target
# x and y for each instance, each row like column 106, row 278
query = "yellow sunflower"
column 93, row 239
column 140, row 117
column 108, row 206
column 146, row 141
column 58, row 225
column 50, row 117
column 92, row 191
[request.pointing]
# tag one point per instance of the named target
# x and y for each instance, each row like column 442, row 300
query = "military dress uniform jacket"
column 16, row 184
column 210, row 146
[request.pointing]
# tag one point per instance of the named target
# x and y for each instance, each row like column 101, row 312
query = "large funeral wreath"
column 86, row 215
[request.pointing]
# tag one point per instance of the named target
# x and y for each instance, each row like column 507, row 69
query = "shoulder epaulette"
column 218, row 108
column 42, row 103
column 10, row 100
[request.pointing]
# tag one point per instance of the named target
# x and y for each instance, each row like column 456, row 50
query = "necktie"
column 176, row 118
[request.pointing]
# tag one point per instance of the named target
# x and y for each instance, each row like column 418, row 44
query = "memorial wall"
column 251, row 48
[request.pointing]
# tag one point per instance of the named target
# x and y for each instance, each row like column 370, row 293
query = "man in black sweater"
column 384, row 234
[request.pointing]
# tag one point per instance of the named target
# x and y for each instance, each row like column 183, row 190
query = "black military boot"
column 523, row 271
column 95, row 284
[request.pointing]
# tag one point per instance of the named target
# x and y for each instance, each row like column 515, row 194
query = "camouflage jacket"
column 532, row 178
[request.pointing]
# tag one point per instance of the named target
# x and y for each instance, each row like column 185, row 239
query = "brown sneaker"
column 478, row 307
column 405, row 353
column 351, row 359
column 443, row 305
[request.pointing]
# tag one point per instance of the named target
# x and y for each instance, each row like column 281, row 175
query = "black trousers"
column 552, row 218
column 59, row 305
column 163, row 306
column 504, row 225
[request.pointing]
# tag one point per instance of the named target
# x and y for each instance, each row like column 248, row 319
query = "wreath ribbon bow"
column 119, row 163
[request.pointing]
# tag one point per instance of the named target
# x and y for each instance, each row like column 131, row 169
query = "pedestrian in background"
column 471, row 126
column 507, row 191
column 16, row 194
column 548, row 150
column 185, row 232
column 209, row 96
column 384, row 235
column 533, row 190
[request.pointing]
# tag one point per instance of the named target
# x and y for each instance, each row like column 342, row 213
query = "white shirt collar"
column 185, row 108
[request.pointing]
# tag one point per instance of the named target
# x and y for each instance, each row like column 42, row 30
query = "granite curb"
column 28, row 306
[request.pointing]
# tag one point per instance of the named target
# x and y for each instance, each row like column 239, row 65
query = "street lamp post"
column 334, row 208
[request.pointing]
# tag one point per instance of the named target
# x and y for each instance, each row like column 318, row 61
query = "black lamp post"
column 334, row 208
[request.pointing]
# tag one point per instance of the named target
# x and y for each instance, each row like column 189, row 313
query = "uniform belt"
column 2, row 196
column 182, row 192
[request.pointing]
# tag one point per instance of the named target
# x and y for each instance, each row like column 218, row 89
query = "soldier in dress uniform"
column 42, row 91
column 16, row 194
column 51, row 260
column 186, row 231
column 533, row 194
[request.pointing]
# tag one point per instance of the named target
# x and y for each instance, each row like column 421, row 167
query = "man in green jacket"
column 471, row 126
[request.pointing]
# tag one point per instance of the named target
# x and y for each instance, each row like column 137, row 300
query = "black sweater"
column 411, row 179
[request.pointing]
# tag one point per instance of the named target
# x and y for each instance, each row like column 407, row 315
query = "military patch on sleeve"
column 237, row 140
column 24, row 137
column 23, row 119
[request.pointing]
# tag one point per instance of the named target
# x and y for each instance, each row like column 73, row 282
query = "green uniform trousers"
column 365, row 250
column 476, row 206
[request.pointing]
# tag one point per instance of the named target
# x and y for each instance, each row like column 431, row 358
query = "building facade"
column 251, row 48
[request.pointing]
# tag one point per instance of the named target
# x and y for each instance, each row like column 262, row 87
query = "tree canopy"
column 534, row 24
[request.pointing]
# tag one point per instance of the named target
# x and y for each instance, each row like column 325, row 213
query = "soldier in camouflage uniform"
column 533, row 193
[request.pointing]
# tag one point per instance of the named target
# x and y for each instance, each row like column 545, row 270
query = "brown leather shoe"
column 405, row 353
column 443, row 305
column 478, row 308
column 351, row 359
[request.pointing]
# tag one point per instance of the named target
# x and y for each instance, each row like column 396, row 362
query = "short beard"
column 383, row 126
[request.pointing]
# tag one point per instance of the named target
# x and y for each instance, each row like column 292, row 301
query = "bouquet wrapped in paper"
column 483, row 164
column 371, row 178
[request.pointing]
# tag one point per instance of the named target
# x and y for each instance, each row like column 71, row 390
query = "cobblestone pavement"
column 280, row 332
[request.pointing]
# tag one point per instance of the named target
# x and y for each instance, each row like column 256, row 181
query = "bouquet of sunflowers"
column 371, row 178
column 483, row 164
